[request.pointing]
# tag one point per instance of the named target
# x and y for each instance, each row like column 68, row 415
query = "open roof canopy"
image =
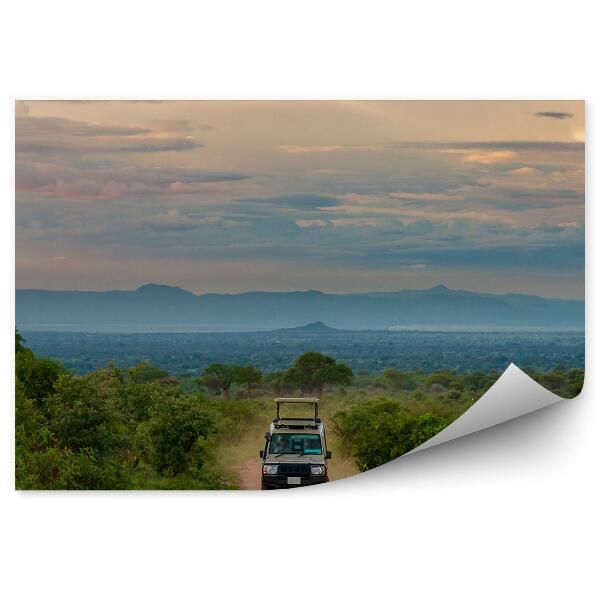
column 297, row 400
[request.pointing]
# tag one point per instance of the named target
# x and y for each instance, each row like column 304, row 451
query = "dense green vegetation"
column 377, row 432
column 110, row 429
column 139, row 428
column 188, row 354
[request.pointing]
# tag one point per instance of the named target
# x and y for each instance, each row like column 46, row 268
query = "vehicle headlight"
column 318, row 469
column 270, row 469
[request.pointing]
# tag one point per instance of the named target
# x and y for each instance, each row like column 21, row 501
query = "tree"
column 476, row 381
column 72, row 439
column 37, row 375
column 312, row 371
column 173, row 439
column 83, row 413
column 105, row 431
column 278, row 382
column 218, row 377
column 247, row 375
column 145, row 372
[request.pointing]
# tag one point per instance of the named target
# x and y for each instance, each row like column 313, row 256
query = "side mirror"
column 267, row 436
column 261, row 453
column 328, row 454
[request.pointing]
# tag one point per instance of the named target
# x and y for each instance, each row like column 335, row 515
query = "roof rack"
column 296, row 423
column 313, row 401
column 297, row 400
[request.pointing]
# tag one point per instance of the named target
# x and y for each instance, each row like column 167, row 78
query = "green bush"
column 453, row 394
column 377, row 432
column 444, row 378
column 174, row 439
column 55, row 469
column 37, row 375
column 110, row 429
column 82, row 413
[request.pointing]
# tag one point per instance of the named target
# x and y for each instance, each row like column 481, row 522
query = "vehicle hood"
column 294, row 458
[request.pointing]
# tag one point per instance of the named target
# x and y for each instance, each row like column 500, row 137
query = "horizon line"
column 439, row 286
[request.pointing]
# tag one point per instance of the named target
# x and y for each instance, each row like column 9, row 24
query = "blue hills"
column 155, row 308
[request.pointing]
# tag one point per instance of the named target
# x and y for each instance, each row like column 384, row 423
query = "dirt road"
column 249, row 474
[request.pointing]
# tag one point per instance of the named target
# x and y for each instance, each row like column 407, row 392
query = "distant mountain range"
column 156, row 308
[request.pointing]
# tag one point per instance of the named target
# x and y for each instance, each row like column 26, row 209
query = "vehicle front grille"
column 294, row 469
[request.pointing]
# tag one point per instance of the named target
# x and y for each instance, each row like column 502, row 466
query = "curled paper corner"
column 513, row 395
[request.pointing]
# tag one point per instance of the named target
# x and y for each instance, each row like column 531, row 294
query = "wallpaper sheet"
column 245, row 294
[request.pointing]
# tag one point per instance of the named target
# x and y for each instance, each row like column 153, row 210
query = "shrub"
column 437, row 389
column 37, row 375
column 173, row 439
column 57, row 469
column 453, row 394
column 377, row 432
column 82, row 413
column 447, row 379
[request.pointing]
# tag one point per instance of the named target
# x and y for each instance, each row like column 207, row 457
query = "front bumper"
column 277, row 482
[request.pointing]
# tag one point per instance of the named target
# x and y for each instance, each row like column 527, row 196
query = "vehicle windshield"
column 295, row 443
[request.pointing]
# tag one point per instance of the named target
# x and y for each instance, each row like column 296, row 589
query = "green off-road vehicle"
column 295, row 451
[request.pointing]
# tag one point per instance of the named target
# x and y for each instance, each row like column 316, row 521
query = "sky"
column 340, row 196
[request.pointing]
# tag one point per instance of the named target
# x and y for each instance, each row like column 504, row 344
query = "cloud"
column 115, row 181
column 425, row 196
column 174, row 220
column 513, row 145
column 200, row 184
column 222, row 222
column 324, row 148
column 309, row 149
column 555, row 115
column 491, row 157
column 47, row 135
column 108, row 146
column 569, row 225
column 46, row 126
column 354, row 222
column 299, row 201
column 304, row 223
column 524, row 171
column 171, row 220
column 178, row 125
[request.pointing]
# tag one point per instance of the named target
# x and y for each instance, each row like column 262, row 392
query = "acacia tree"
column 312, row 371
column 218, row 377
column 247, row 375
column 145, row 372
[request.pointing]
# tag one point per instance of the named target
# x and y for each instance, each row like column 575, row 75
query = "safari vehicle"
column 295, row 452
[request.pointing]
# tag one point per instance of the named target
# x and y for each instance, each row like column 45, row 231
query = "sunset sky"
column 341, row 196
